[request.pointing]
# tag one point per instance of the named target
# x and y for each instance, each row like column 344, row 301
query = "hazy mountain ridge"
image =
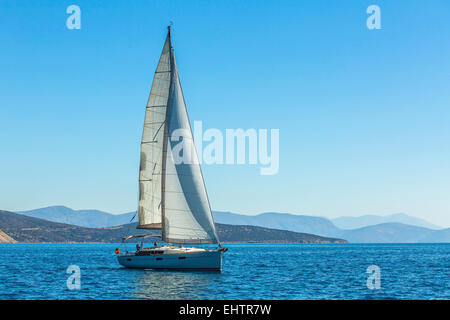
column 390, row 232
column 369, row 220
column 285, row 221
column 396, row 233
column 29, row 229
column 82, row 218
column 246, row 233
column 34, row 230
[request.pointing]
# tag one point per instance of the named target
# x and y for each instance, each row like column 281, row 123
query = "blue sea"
column 250, row 271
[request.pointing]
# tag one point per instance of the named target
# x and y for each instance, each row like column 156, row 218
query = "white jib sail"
column 186, row 212
column 150, row 179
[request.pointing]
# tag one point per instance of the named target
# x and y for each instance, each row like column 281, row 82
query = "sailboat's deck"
column 167, row 250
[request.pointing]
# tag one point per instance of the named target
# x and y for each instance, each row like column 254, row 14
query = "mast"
column 164, row 153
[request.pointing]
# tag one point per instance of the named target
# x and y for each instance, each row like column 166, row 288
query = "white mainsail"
column 149, row 208
column 173, row 195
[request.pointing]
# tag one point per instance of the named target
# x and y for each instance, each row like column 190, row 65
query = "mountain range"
column 82, row 218
column 20, row 228
column 284, row 221
column 393, row 231
column 395, row 228
column 369, row 220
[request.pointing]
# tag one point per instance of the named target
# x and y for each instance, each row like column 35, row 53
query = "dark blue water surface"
column 250, row 271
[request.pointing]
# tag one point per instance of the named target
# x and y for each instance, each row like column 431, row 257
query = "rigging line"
column 150, row 195
column 157, row 131
column 134, row 216
column 156, row 95
column 150, row 179
column 150, row 123
column 150, row 162
column 150, row 106
column 199, row 231
column 184, row 137
column 179, row 174
column 157, row 106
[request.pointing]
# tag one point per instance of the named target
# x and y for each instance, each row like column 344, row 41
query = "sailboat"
column 173, row 200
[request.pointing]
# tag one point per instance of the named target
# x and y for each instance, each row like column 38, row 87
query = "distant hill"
column 4, row 238
column 381, row 229
column 99, row 219
column 439, row 236
column 245, row 233
column 369, row 220
column 396, row 233
column 82, row 218
column 29, row 229
column 284, row 221
column 377, row 233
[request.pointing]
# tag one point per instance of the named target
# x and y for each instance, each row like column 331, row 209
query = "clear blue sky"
column 364, row 115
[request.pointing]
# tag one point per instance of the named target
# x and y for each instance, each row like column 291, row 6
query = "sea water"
column 250, row 271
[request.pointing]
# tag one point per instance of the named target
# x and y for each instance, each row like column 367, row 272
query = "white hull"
column 190, row 259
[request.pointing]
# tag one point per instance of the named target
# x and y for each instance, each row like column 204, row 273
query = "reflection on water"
column 153, row 284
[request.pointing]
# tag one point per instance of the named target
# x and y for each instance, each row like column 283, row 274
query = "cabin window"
column 128, row 259
column 181, row 257
column 158, row 258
